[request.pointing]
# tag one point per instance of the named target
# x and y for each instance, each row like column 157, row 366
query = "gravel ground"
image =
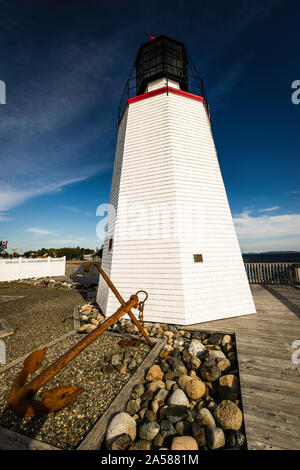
column 42, row 315
column 66, row 428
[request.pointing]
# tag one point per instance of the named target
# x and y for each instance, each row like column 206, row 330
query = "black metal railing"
column 195, row 86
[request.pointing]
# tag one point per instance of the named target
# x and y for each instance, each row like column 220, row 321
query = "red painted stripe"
column 159, row 91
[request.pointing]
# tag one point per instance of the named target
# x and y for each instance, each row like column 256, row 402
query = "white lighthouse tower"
column 169, row 227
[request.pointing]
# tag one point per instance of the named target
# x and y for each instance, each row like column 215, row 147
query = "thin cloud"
column 12, row 195
column 227, row 82
column 266, row 226
column 77, row 210
column 269, row 209
column 39, row 154
column 39, row 231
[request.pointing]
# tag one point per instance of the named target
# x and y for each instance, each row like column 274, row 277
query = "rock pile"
column 124, row 361
column 189, row 399
column 55, row 283
column 89, row 317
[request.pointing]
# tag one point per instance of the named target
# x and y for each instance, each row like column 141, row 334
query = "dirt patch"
column 39, row 316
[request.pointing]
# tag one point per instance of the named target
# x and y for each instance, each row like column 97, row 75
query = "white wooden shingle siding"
column 166, row 158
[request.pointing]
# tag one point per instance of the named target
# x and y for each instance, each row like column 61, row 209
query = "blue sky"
column 65, row 65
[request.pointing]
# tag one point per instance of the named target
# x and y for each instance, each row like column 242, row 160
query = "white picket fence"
column 22, row 268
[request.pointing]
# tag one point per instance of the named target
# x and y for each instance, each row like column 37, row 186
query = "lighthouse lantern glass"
column 161, row 57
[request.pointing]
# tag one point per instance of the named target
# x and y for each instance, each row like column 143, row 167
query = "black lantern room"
column 161, row 57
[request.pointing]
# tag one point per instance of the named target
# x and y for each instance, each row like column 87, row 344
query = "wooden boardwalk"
column 270, row 382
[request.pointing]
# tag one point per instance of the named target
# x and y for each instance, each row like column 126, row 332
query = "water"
column 272, row 257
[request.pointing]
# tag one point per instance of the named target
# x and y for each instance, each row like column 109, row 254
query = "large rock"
column 133, row 406
column 167, row 428
column 121, row 424
column 116, row 359
column 154, row 406
column 235, row 439
column 171, row 375
column 229, row 387
column 226, row 340
column 196, row 348
column 122, row 442
column 209, row 371
column 216, row 355
column 184, row 428
column 169, row 384
column 154, row 373
column 178, row 398
column 194, row 363
column 155, row 385
column 90, row 327
column 224, row 365
column 161, row 395
column 215, row 437
column 166, row 351
column 175, row 413
column 148, row 431
column 169, row 335
column 177, row 365
column 228, row 415
column 199, row 432
column 216, row 338
column 158, row 440
column 195, row 389
column 186, row 356
column 150, row 416
column 138, row 391
column 206, row 417
column 184, row 443
column 141, row 445
column 183, row 380
column 164, row 365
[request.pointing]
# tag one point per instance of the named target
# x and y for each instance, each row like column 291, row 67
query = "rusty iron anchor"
column 21, row 396
column 122, row 301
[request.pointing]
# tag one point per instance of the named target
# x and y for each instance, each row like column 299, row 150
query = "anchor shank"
column 120, row 299
column 54, row 368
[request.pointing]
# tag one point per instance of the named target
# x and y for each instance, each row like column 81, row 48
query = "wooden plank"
column 76, row 321
column 274, row 437
column 94, row 438
column 256, row 445
column 10, row 440
column 281, row 421
column 22, row 358
column 7, row 328
column 270, row 383
column 286, row 403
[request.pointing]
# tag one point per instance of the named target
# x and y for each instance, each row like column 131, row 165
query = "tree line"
column 70, row 253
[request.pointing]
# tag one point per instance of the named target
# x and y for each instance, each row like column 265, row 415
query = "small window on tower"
column 110, row 244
